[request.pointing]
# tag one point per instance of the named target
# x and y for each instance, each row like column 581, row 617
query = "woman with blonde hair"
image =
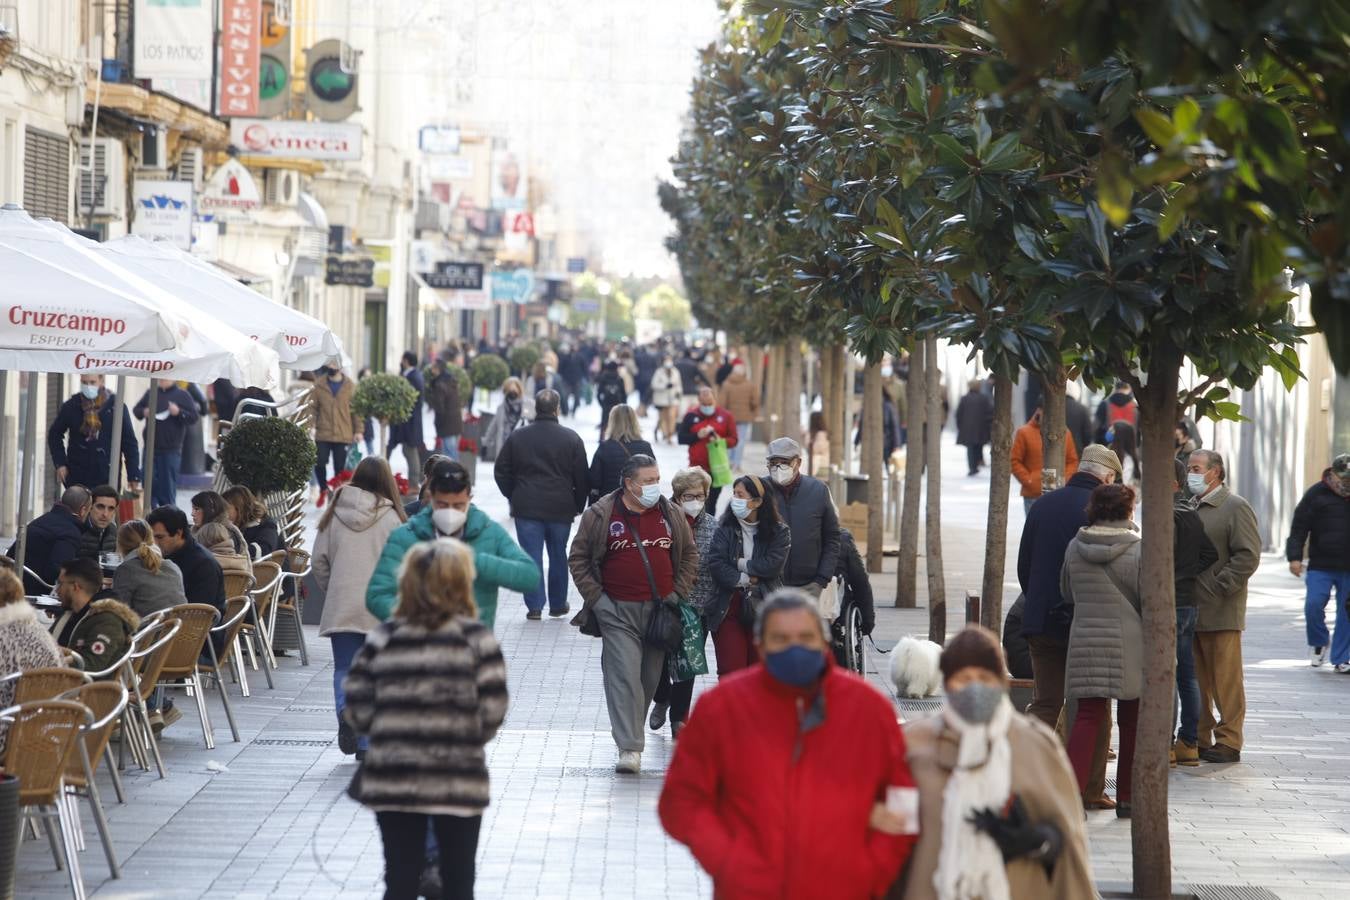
column 353, row 532
column 249, row 515
column 145, row 581
column 427, row 758
column 510, row 416
column 219, row 541
column 209, row 506
column 623, row 438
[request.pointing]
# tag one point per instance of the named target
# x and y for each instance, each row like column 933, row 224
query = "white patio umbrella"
column 57, row 293
column 301, row 341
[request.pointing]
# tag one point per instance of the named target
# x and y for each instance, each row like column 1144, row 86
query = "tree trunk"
column 827, row 376
column 773, row 389
column 755, row 370
column 996, row 538
column 906, row 578
column 1152, row 849
column 792, row 395
column 937, row 583
column 839, row 408
column 1052, row 430
column 872, row 464
column 849, row 395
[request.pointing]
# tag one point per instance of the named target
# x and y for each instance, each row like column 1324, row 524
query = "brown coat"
column 590, row 544
column 1040, row 776
column 334, row 420
column 740, row 397
column 1028, row 451
column 1221, row 592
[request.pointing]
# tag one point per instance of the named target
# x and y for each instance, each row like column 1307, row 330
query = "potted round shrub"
column 267, row 455
column 387, row 398
column 489, row 371
column 523, row 359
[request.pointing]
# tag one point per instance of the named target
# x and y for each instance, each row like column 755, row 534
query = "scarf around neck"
column 970, row 864
column 91, row 423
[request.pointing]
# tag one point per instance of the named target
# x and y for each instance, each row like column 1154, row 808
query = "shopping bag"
column 719, row 462
column 353, row 457
column 692, row 659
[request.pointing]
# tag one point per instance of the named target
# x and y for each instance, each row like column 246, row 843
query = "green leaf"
column 951, row 151
column 1028, row 241
column 1157, row 126
column 1186, row 116
column 773, row 31
column 983, row 134
column 894, row 224
column 1175, row 212
column 1097, row 233
column 1115, row 193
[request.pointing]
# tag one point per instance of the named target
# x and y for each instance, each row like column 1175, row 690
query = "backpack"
column 1128, row 413
column 610, row 393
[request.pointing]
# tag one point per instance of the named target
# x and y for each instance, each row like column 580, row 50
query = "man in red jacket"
column 789, row 780
column 701, row 424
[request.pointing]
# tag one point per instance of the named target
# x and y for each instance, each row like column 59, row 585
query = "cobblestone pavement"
column 563, row 825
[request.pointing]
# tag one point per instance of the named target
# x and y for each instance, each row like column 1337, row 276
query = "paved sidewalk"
column 563, row 825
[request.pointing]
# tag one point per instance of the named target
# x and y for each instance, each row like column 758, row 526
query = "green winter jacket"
column 498, row 560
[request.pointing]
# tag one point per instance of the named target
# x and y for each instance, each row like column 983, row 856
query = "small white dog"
column 915, row 668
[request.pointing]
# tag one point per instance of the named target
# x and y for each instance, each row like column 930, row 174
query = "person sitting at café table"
column 93, row 622
column 100, row 529
column 53, row 538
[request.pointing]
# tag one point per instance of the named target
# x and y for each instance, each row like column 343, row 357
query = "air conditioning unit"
column 103, row 177
column 155, row 149
column 190, row 164
column 281, row 187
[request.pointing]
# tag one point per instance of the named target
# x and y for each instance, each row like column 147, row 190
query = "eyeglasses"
column 688, row 498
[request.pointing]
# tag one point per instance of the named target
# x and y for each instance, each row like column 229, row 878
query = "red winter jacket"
column 767, row 825
column 721, row 421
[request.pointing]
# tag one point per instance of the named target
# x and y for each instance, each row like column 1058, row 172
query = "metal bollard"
column 937, row 622
column 972, row 608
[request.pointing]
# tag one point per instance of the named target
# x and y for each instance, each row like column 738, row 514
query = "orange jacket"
column 1028, row 453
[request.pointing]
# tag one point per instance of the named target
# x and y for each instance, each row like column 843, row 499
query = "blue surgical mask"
column 90, row 391
column 795, row 666
column 740, row 506
column 1195, row 482
column 707, row 410
column 650, row 494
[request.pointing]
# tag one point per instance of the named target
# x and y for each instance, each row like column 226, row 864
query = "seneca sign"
column 296, row 140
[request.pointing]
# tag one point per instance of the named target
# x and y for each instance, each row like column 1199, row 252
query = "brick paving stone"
column 563, row 825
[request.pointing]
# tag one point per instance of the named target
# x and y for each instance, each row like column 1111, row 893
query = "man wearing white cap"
column 805, row 504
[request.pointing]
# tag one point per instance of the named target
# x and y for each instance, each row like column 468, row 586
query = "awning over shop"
column 238, row 273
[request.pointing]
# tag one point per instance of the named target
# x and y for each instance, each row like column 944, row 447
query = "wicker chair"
column 150, row 650
column 180, row 670
column 236, row 612
column 72, row 659
column 32, row 685
column 295, row 568
column 42, row 737
column 105, row 700
column 267, row 575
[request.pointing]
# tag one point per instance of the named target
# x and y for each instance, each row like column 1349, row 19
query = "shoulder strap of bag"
column 642, row 552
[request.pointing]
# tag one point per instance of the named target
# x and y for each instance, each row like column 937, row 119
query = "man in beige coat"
column 1221, row 600
column 740, row 397
column 335, row 425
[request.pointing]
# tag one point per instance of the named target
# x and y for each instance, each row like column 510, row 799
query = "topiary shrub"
column 462, row 380
column 489, row 371
column 386, row 397
column 268, row 454
column 523, row 358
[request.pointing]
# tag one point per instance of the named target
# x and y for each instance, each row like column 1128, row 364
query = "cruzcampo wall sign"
column 274, row 64
column 330, row 90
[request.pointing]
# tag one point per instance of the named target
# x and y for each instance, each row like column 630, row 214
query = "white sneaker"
column 1343, row 668
column 1317, row 656
column 630, row 761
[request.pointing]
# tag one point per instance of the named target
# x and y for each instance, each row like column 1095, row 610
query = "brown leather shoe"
column 1102, row 802
column 1220, row 754
column 1185, row 754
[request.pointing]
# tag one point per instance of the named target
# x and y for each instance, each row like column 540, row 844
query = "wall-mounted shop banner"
column 358, row 271
column 295, row 139
column 513, row 286
column 439, row 139
column 241, row 32
column 230, row 189
column 510, row 181
column 457, row 276
column 163, row 211
column 173, row 38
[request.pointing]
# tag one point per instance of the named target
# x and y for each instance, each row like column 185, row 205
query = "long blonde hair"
column 435, row 583
column 11, row 588
column 135, row 536
column 623, row 424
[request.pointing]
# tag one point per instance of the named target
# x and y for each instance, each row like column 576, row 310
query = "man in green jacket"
column 498, row 560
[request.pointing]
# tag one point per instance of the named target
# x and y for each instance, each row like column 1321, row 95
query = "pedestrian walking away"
column 1105, row 659
column 805, row 504
column 610, row 391
column 427, row 764
column 442, row 395
column 623, row 438
column 80, row 438
column 974, row 421
column 998, row 807
column 746, row 558
column 542, row 471
column 757, row 789
column 632, row 550
column 410, row 434
column 1322, row 523
column 1028, row 458
column 667, row 392
column 1221, row 607
column 351, row 537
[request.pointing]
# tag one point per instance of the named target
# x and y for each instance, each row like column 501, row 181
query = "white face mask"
column 887, row 371
column 782, row 474
column 707, row 410
column 650, row 494
column 692, row 508
column 90, row 391
column 449, row 520
column 740, row 507
column 1195, row 481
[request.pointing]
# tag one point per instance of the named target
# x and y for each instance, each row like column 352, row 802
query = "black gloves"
column 1018, row 838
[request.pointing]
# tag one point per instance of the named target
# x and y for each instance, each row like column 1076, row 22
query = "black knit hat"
column 976, row 646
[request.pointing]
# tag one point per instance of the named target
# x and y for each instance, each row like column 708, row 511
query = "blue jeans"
column 1027, row 503
column 1188, row 687
column 346, row 644
column 737, row 453
column 534, row 535
column 1320, row 583
column 448, row 446
column 164, row 492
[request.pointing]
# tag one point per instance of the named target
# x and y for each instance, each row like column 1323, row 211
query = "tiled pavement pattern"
column 562, row 824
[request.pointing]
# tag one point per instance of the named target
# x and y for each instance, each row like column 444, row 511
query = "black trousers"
column 679, row 696
column 405, row 853
column 974, row 457
column 327, row 449
column 711, row 505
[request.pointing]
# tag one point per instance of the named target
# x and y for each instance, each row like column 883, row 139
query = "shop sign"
column 513, row 286
column 576, row 265
column 174, row 38
column 163, row 211
column 231, row 188
column 441, row 140
column 456, row 276
column 350, row 271
column 241, row 28
column 295, row 139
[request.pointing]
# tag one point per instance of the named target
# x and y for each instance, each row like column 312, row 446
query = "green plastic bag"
column 719, row 462
column 692, row 659
column 353, row 456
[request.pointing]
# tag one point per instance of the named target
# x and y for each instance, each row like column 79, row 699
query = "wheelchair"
column 846, row 632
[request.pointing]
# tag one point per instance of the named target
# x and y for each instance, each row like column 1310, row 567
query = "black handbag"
column 665, row 629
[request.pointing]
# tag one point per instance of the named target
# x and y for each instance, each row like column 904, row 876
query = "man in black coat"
column 175, row 410
column 80, row 438
column 409, row 434
column 203, row 580
column 100, row 529
column 1322, row 521
column 1052, row 522
column 53, row 539
column 542, row 471
column 974, row 421
column 805, row 504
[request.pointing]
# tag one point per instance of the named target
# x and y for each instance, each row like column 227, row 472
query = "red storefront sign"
column 240, row 54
